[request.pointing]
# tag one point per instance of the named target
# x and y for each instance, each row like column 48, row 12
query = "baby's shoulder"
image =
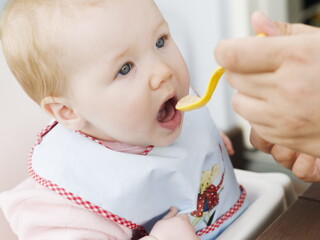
column 29, row 195
column 30, row 208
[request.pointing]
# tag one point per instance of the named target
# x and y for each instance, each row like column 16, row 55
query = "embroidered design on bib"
column 208, row 196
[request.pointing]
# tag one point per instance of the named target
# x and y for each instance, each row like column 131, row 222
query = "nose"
column 160, row 73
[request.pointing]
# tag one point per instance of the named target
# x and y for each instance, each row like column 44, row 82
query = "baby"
column 118, row 154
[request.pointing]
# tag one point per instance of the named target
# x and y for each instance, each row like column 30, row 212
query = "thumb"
column 173, row 211
column 262, row 24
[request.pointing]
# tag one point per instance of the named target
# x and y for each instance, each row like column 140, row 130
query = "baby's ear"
column 58, row 108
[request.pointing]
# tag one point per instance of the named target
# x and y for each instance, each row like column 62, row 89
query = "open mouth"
column 168, row 117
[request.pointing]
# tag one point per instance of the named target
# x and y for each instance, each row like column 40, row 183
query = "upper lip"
column 168, row 97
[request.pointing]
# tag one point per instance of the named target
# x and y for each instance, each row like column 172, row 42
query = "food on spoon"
column 187, row 100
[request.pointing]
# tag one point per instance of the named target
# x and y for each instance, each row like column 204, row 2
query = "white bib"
column 136, row 187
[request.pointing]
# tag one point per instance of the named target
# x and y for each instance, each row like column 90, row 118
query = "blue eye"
column 125, row 69
column 160, row 42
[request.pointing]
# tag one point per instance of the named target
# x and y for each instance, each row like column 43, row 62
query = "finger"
column 284, row 156
column 260, row 85
column 271, row 134
column 307, row 168
column 251, row 54
column 278, row 134
column 173, row 211
column 260, row 143
column 262, row 24
column 252, row 109
column 227, row 143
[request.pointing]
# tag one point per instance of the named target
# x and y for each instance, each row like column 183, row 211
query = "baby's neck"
column 121, row 147
column 126, row 148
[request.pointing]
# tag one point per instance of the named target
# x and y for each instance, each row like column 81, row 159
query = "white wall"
column 19, row 124
column 2, row 2
column 241, row 10
column 20, row 121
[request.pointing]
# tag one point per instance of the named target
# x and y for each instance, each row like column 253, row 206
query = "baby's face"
column 125, row 73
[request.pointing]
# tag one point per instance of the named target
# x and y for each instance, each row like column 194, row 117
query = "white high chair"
column 269, row 195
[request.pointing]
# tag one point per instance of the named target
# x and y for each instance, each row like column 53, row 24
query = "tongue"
column 166, row 112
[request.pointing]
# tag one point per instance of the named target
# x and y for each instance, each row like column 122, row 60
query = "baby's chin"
column 169, row 139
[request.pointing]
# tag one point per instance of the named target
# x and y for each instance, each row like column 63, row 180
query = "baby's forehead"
column 56, row 24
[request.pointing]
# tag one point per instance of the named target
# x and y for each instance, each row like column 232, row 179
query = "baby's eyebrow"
column 119, row 55
column 161, row 24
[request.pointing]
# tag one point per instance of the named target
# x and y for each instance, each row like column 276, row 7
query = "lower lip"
column 174, row 122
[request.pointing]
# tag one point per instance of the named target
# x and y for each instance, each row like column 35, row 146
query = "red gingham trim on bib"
column 227, row 215
column 139, row 230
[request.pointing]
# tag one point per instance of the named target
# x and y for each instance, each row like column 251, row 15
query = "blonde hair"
column 30, row 44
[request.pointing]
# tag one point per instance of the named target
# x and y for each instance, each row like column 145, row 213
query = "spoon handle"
column 214, row 79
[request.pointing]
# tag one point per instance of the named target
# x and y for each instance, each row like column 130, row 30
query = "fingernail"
column 172, row 209
column 266, row 19
column 272, row 28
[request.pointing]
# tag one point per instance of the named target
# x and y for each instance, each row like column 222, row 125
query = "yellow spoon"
column 191, row 102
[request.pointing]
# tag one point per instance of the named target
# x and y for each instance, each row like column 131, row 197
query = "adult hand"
column 278, row 82
column 303, row 166
column 172, row 227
